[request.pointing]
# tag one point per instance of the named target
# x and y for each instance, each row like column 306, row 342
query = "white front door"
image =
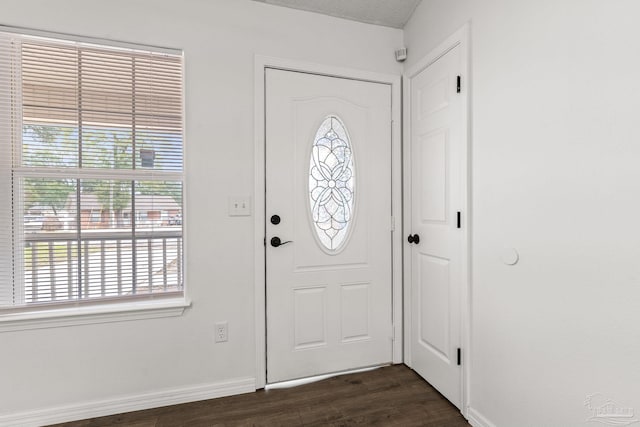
column 437, row 174
column 328, row 201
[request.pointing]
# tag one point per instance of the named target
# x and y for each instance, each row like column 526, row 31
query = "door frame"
column 262, row 63
column 460, row 38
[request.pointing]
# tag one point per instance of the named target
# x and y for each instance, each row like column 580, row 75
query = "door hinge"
column 458, row 220
column 459, row 356
column 458, row 84
column 264, row 242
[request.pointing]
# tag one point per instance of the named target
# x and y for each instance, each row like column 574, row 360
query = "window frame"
column 22, row 316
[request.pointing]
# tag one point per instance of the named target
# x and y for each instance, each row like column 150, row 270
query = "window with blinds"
column 91, row 172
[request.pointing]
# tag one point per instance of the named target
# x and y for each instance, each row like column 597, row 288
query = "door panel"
column 355, row 312
column 435, row 309
column 310, row 320
column 436, row 197
column 433, row 168
column 328, row 142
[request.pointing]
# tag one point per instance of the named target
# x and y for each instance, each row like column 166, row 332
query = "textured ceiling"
column 390, row 13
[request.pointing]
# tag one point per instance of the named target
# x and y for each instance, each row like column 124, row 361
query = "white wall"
column 71, row 365
column 556, row 151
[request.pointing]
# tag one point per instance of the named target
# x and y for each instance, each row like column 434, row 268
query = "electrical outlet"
column 222, row 332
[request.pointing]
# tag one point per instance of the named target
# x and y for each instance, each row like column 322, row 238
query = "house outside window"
column 96, row 216
column 94, row 172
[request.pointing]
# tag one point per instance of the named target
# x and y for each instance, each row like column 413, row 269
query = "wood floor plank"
column 389, row 396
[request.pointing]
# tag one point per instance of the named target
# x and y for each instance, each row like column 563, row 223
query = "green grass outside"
column 59, row 253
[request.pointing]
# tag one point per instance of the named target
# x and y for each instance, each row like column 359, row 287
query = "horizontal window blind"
column 8, row 107
column 92, row 188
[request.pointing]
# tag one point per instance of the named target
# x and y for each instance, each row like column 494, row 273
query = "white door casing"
column 327, row 310
column 437, row 190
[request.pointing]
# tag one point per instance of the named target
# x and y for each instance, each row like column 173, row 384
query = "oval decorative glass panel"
column 331, row 183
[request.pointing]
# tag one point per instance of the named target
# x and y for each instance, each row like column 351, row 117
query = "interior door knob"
column 275, row 242
column 413, row 239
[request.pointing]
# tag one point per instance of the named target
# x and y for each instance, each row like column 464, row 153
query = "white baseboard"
column 477, row 420
column 129, row 403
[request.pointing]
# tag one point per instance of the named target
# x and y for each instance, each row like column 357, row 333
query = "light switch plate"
column 239, row 206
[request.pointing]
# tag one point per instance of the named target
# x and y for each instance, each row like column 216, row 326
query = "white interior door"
column 437, row 174
column 328, row 181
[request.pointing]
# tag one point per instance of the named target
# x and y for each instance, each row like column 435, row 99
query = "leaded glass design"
column 331, row 183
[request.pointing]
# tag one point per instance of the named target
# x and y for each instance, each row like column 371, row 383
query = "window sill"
column 119, row 312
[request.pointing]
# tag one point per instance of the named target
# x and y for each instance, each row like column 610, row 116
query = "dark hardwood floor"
column 390, row 396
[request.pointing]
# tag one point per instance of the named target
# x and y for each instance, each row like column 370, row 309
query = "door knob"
column 413, row 239
column 275, row 242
